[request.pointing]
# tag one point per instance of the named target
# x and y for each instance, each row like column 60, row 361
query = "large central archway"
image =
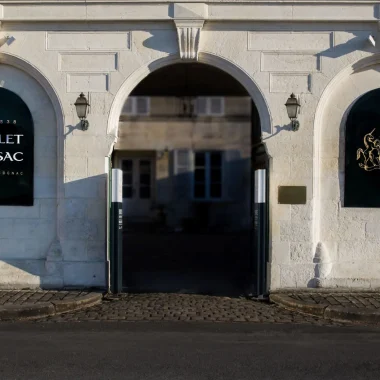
column 188, row 136
column 207, row 58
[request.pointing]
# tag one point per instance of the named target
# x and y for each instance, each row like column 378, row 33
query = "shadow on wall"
column 78, row 259
column 279, row 129
column 359, row 42
column 160, row 40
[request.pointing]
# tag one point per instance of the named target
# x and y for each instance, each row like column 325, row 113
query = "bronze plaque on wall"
column 362, row 153
column 16, row 151
column 295, row 195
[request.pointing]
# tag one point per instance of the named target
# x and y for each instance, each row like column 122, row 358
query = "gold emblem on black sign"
column 369, row 157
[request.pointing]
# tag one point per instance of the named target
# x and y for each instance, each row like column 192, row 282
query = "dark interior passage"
column 186, row 137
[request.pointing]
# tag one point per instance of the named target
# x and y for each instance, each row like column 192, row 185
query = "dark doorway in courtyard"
column 188, row 137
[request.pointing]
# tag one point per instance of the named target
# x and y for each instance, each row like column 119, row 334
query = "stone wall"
column 120, row 44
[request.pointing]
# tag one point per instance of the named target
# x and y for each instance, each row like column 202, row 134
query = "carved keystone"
column 189, row 32
column 189, row 19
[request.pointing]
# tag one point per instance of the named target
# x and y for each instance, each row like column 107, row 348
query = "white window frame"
column 207, row 197
column 134, row 112
column 208, row 100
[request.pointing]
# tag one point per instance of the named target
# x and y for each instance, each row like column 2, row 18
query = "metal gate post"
column 260, row 230
column 117, row 231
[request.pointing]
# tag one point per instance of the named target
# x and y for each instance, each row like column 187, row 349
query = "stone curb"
column 337, row 313
column 45, row 309
column 308, row 308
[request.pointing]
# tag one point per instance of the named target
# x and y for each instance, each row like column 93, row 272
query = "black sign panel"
column 362, row 155
column 16, row 151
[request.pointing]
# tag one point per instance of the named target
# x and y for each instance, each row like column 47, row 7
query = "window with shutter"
column 128, row 106
column 208, row 176
column 201, row 106
column 142, row 105
column 210, row 106
column 137, row 105
column 216, row 106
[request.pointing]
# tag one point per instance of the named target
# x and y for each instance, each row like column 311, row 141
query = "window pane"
column 127, row 166
column 201, row 106
column 216, row 106
column 216, row 159
column 145, row 179
column 127, row 192
column 182, row 158
column 144, row 192
column 144, row 166
column 127, row 178
column 127, row 108
column 142, row 106
column 216, row 190
column 216, row 175
column 199, row 191
column 200, row 159
column 199, row 175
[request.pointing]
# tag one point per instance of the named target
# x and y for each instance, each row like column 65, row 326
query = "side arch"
column 332, row 222
column 34, row 73
column 204, row 57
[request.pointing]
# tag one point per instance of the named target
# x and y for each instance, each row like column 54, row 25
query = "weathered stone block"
column 96, row 251
column 280, row 252
column 74, row 250
column 74, row 208
column 84, row 274
column 48, row 208
column 301, row 252
column 288, row 277
column 295, row 232
column 75, row 167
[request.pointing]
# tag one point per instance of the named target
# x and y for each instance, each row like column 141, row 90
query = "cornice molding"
column 105, row 2
column 29, row 11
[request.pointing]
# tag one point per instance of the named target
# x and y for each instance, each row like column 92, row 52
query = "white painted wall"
column 252, row 42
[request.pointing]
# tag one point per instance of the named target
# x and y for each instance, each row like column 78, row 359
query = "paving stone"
column 355, row 299
column 185, row 307
column 20, row 297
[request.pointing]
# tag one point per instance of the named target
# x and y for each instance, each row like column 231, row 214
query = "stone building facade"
column 321, row 51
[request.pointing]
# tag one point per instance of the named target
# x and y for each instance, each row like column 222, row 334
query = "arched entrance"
column 337, row 229
column 188, row 138
column 31, row 268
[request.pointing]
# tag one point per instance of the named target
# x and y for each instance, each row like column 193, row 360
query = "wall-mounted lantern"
column 293, row 106
column 82, row 105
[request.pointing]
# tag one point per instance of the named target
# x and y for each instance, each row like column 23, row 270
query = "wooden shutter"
column 201, row 107
column 183, row 172
column 128, row 106
column 216, row 106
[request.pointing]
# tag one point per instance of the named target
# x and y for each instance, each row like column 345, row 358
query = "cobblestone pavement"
column 357, row 300
column 20, row 297
column 185, row 307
